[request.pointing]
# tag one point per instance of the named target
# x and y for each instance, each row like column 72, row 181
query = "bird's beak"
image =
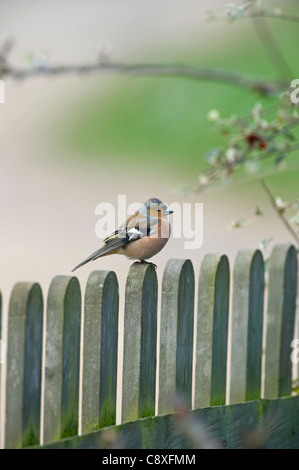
column 168, row 211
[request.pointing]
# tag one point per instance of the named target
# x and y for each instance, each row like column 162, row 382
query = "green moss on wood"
column 30, row 438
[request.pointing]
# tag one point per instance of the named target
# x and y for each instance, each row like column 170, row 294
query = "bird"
column 142, row 236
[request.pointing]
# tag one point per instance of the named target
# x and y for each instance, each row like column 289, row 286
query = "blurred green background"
column 161, row 123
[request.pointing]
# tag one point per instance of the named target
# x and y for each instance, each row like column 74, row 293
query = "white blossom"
column 213, row 115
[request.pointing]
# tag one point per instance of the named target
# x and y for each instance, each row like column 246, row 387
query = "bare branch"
column 260, row 213
column 195, row 73
column 272, row 14
column 249, row 10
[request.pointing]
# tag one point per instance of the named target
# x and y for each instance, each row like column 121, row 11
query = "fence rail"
column 43, row 394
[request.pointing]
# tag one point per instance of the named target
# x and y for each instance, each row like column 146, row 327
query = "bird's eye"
column 158, row 210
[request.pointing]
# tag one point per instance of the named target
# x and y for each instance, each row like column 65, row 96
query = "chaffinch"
column 142, row 236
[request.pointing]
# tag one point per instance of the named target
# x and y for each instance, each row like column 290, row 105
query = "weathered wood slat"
column 280, row 320
column 212, row 328
column 269, row 424
column 247, row 327
column 24, row 356
column 140, row 340
column 100, row 335
column 61, row 375
column 176, row 334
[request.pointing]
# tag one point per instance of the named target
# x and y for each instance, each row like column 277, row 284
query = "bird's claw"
column 145, row 262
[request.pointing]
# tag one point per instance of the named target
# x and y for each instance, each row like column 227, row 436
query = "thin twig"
column 272, row 14
column 268, row 40
column 279, row 213
column 274, row 210
column 196, row 73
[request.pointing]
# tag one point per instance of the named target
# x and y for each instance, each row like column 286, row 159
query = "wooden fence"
column 44, row 402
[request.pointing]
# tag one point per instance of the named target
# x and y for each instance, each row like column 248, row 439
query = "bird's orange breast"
column 146, row 247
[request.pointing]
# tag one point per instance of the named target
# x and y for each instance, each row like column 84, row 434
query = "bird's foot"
column 145, row 262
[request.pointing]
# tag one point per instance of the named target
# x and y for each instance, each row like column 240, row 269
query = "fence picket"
column 212, row 327
column 280, row 320
column 99, row 370
column 176, row 334
column 61, row 375
column 140, row 339
column 247, row 327
column 24, row 356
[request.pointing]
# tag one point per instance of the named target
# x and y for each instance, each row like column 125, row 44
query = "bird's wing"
column 139, row 225
column 128, row 234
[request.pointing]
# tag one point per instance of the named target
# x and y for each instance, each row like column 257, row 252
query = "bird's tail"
column 101, row 252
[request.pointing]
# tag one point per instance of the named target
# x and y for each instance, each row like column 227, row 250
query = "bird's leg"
column 145, row 262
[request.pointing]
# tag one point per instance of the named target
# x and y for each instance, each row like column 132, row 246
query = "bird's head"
column 156, row 207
